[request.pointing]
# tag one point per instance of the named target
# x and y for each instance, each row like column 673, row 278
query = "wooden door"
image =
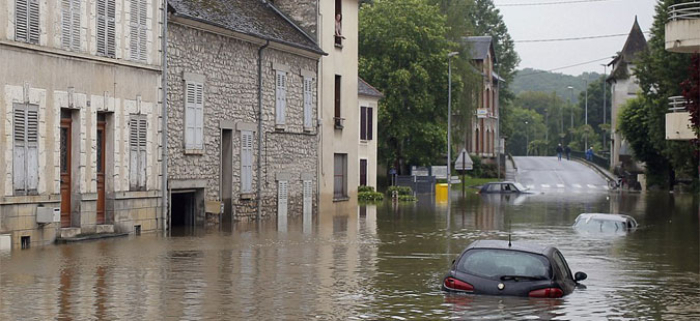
column 363, row 172
column 101, row 142
column 65, row 168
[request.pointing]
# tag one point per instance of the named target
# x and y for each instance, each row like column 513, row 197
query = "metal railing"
column 684, row 11
column 677, row 104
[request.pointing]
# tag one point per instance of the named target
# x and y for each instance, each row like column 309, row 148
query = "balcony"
column 678, row 126
column 683, row 28
column 338, row 122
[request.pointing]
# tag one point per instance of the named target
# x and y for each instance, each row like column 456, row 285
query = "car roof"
column 605, row 217
column 515, row 246
column 503, row 182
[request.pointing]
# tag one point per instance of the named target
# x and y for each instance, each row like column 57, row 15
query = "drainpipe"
column 164, row 102
column 260, row 127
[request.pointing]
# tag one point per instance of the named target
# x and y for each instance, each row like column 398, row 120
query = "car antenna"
column 509, row 223
column 509, row 245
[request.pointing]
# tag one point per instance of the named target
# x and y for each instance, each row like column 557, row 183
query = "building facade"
column 242, row 128
column 368, row 98
column 485, row 131
column 80, row 110
column 624, row 86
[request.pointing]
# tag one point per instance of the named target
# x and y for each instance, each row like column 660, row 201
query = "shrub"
column 401, row 190
column 363, row 189
column 370, row 196
column 407, row 198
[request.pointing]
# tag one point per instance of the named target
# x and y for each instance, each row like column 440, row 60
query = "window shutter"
column 363, row 123
column 190, row 106
column 199, row 117
column 308, row 101
column 66, row 23
column 102, row 27
column 21, row 18
column 143, row 27
column 111, row 21
column 246, row 161
column 32, row 143
column 308, row 194
column 370, row 124
column 34, row 21
column 281, row 97
column 143, row 126
column 19, row 155
column 137, row 29
column 133, row 153
column 75, row 14
column 282, row 196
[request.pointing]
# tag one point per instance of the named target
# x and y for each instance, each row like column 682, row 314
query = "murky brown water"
column 383, row 262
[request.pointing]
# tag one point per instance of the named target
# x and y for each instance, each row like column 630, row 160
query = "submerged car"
column 605, row 223
column 501, row 268
column 503, row 187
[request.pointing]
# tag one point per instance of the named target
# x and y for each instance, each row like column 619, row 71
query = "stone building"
column 242, row 126
column 79, row 113
column 485, row 133
column 624, row 86
column 369, row 111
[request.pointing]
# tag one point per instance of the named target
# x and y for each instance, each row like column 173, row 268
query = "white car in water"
column 605, row 223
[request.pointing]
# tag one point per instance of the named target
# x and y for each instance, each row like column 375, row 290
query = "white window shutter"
column 308, row 194
column 34, row 21
column 134, row 29
column 190, row 113
column 282, row 196
column 246, row 161
column 32, row 144
column 199, row 117
column 143, row 131
column 281, row 97
column 21, row 20
column 75, row 30
column 19, row 155
column 110, row 27
column 102, row 27
column 133, row 153
column 66, row 23
column 284, row 97
column 143, row 27
column 308, row 102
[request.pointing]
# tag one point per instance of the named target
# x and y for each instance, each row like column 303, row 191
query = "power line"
column 546, row 3
column 574, row 38
column 565, row 67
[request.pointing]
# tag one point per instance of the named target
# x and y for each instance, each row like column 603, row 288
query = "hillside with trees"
column 529, row 79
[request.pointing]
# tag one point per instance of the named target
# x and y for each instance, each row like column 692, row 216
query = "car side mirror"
column 580, row 276
column 453, row 262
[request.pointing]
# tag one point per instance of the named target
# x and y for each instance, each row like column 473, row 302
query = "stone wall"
column 229, row 66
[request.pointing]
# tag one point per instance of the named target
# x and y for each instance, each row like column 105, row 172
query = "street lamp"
column 605, row 121
column 571, row 111
column 586, row 112
column 527, row 139
column 449, row 123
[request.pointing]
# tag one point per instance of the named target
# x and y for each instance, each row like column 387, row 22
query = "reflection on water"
column 368, row 262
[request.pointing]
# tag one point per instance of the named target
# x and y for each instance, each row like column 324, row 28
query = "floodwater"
column 373, row 262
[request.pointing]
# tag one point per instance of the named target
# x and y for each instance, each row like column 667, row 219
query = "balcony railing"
column 684, row 11
column 339, row 122
column 677, row 104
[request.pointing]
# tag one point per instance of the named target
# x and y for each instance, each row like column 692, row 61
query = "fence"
column 598, row 160
column 419, row 184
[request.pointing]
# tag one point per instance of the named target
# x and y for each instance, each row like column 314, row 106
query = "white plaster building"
column 79, row 113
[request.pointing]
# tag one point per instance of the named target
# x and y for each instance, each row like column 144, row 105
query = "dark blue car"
column 519, row 269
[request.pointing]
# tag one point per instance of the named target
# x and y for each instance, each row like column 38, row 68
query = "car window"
column 492, row 263
column 507, row 188
column 520, row 186
column 512, row 187
column 562, row 266
column 495, row 188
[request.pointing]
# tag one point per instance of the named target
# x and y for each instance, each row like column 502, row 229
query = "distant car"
column 503, row 187
column 519, row 269
column 605, row 223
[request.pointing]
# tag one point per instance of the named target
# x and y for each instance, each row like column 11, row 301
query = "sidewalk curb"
column 606, row 174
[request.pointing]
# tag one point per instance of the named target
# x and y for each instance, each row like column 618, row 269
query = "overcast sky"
column 592, row 18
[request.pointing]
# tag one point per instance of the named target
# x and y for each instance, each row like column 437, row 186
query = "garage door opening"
column 183, row 208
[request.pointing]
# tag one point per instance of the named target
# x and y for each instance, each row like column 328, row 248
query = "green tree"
column 527, row 130
column 403, row 53
column 595, row 108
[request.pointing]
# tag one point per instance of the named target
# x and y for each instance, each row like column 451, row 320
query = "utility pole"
column 605, row 93
column 527, row 141
column 449, row 122
column 571, row 112
column 586, row 111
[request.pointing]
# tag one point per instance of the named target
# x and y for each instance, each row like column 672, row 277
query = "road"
column 547, row 174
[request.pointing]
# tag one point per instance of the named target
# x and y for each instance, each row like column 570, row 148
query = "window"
column 194, row 116
column 340, row 173
column 70, row 24
column 494, row 264
column 338, row 120
column 281, row 97
column 308, row 102
column 137, row 29
column 137, row 152
column 366, row 123
column 562, row 266
column 282, row 197
column 363, row 172
column 246, row 161
column 27, row 21
column 338, row 18
column 106, row 12
column 308, row 190
column 26, row 145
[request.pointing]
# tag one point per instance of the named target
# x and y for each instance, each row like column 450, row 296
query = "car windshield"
column 493, row 263
column 603, row 225
column 520, row 186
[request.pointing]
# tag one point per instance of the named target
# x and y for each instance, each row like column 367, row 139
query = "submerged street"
column 547, row 174
column 372, row 262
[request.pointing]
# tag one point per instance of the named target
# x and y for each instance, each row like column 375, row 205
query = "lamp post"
column 527, row 139
column 586, row 111
column 571, row 111
column 449, row 123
